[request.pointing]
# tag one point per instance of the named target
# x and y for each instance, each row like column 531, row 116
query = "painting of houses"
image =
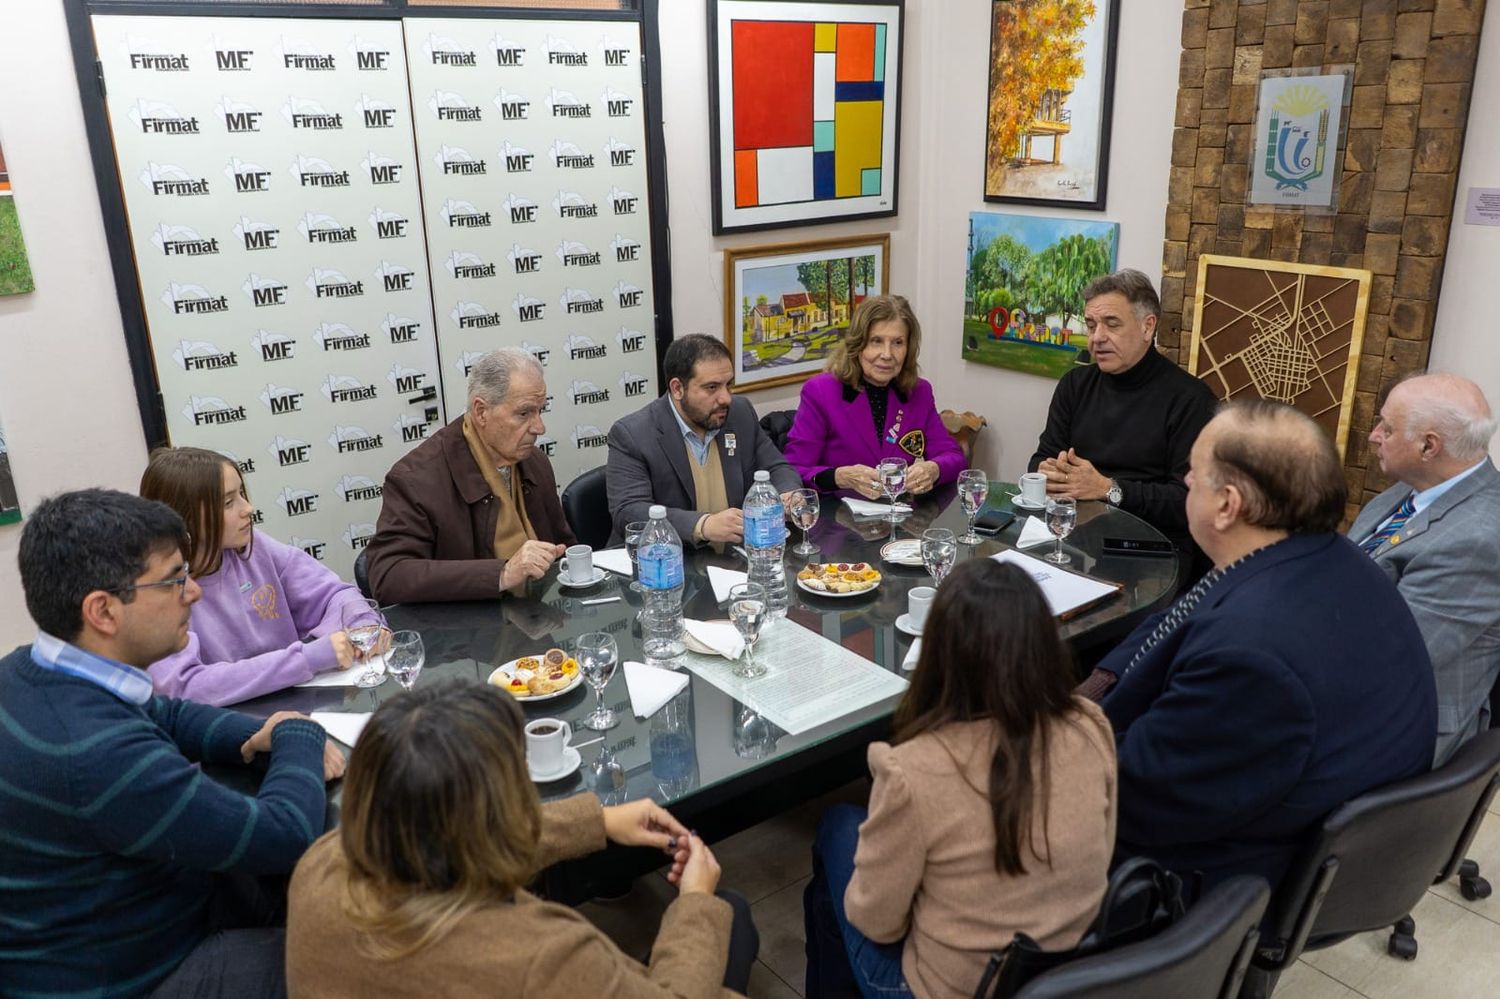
column 788, row 305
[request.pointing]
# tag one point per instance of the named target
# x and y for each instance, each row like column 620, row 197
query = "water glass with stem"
column 632, row 543
column 939, row 552
column 406, row 657
column 892, row 472
column 366, row 629
column 1062, row 514
column 804, row 511
column 597, row 655
column 747, row 609
column 973, row 490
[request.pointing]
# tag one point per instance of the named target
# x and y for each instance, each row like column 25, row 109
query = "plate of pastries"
column 839, row 579
column 538, row 678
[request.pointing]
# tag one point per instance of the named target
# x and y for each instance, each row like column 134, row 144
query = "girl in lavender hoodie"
column 270, row 613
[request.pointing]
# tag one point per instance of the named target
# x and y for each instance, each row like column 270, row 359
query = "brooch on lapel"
column 894, row 434
column 730, row 444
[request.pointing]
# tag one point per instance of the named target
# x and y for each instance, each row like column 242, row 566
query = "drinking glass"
column 804, row 512
column 939, row 552
column 892, row 472
column 365, row 626
column 596, row 654
column 632, row 543
column 405, row 658
column 973, row 490
column 747, row 609
column 1062, row 514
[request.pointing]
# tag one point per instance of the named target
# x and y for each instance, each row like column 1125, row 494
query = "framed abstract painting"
column 805, row 105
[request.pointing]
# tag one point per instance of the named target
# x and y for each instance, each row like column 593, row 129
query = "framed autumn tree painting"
column 1052, row 66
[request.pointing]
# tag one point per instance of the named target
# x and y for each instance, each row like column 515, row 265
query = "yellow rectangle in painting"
column 825, row 37
column 856, row 144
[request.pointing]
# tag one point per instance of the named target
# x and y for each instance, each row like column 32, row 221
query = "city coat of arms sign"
column 1295, row 162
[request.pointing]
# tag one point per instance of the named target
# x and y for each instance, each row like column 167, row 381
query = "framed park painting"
column 805, row 108
column 1051, row 95
column 785, row 306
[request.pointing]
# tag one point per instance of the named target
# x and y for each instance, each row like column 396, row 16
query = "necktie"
column 1393, row 527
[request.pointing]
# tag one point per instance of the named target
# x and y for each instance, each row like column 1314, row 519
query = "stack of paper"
column 1066, row 592
column 345, row 677
column 345, row 726
column 615, row 560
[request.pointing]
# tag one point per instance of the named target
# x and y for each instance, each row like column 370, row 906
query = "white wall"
column 65, row 391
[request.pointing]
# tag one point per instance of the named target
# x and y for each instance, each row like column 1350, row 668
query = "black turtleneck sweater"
column 1137, row 428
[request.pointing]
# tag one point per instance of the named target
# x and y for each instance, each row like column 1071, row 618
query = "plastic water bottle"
column 765, row 541
column 660, row 559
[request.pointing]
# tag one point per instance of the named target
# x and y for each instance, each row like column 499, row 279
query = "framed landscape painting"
column 785, row 306
column 1023, row 295
column 805, row 107
column 1052, row 68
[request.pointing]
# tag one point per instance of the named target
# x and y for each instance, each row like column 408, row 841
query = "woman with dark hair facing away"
column 992, row 811
column 419, row 891
column 870, row 404
column 270, row 616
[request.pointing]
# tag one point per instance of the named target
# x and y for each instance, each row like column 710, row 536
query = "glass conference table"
column 719, row 766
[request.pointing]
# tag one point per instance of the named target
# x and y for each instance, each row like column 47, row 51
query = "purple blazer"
column 834, row 427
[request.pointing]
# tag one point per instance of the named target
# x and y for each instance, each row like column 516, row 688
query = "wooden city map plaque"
column 1284, row 331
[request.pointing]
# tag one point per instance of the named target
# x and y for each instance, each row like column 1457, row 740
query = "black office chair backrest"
column 1204, row 954
column 362, row 573
column 1373, row 857
column 585, row 503
column 778, row 426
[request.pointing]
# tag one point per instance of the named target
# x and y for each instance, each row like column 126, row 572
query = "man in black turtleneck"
column 1122, row 429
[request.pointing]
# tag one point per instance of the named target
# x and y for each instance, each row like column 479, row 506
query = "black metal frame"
column 715, row 167
column 1106, row 121
column 112, row 201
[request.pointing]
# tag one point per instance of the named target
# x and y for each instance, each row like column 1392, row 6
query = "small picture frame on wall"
column 805, row 102
column 787, row 305
column 1300, row 118
column 1051, row 98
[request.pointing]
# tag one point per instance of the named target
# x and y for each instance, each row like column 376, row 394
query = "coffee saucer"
column 570, row 762
column 568, row 584
column 903, row 623
column 1017, row 499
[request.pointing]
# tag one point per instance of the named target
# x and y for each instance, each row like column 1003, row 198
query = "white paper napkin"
column 722, row 579
column 615, row 560
column 715, row 637
column 912, row 655
column 344, row 677
column 865, row 508
column 345, row 726
column 651, row 687
column 1034, row 533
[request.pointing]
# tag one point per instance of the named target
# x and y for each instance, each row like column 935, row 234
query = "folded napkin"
column 651, row 687
column 864, row 508
column 717, row 638
column 1034, row 533
column 722, row 579
column 344, row 677
column 615, row 560
column 343, row 726
column 912, row 655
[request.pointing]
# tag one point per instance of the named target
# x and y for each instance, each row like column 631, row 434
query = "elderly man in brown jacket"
column 473, row 511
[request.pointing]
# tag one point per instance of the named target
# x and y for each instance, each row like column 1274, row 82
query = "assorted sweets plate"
column 839, row 579
column 538, row 678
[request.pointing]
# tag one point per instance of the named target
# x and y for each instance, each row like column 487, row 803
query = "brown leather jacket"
column 436, row 534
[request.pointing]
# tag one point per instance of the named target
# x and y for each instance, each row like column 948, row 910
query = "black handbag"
column 1143, row 898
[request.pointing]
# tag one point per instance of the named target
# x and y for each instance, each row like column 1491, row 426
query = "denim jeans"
column 842, row 961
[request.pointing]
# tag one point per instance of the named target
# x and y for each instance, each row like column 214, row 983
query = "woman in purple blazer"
column 869, row 405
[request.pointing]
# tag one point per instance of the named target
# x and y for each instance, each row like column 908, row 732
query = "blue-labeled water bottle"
column 660, row 559
column 765, row 542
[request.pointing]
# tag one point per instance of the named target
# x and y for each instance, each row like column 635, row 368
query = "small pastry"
column 528, row 662
column 570, row 666
column 554, row 658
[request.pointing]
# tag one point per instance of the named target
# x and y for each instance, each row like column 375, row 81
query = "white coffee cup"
column 918, row 603
column 578, row 564
column 546, row 738
column 1033, row 488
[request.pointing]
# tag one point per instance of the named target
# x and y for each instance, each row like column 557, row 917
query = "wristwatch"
column 1115, row 495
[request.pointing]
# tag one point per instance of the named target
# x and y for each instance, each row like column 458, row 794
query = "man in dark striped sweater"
column 123, row 865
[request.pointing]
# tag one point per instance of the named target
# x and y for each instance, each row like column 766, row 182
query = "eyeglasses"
column 178, row 581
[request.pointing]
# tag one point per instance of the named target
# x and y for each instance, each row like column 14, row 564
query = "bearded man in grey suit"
column 1436, row 533
column 695, row 450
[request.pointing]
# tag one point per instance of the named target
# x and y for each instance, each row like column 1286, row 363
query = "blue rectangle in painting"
column 823, row 176
column 867, row 91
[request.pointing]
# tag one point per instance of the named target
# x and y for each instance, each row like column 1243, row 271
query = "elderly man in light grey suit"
column 1436, row 533
column 695, row 450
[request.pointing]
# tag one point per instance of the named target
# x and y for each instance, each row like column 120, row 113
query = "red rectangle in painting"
column 746, row 179
column 773, row 83
column 856, row 53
